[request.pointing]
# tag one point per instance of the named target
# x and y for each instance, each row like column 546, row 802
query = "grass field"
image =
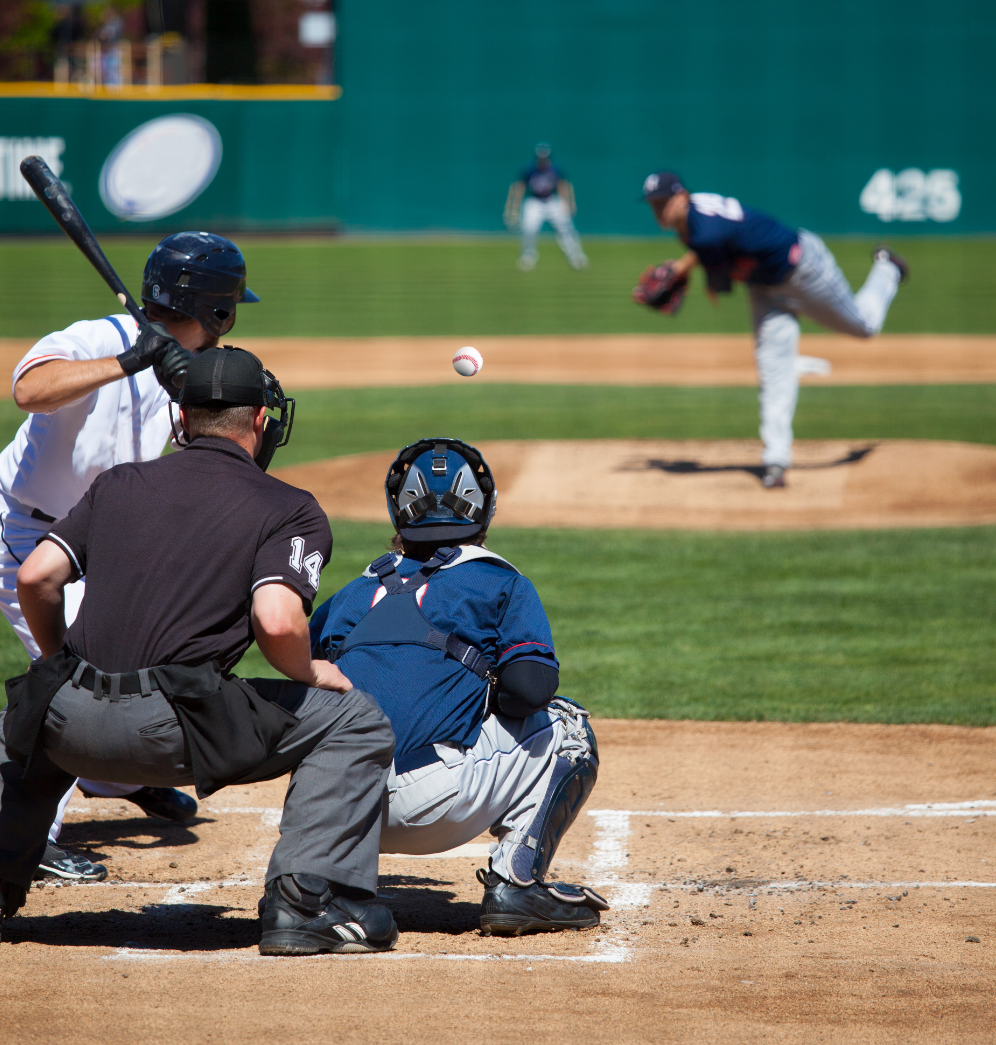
column 332, row 423
column 471, row 287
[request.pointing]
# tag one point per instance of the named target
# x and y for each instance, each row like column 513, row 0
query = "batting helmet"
column 199, row 274
column 440, row 490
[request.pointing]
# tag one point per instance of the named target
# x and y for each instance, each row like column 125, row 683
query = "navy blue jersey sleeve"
column 336, row 617
column 523, row 627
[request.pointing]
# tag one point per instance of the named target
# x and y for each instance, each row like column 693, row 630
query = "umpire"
column 187, row 559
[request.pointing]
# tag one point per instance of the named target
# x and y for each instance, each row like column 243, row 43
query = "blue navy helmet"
column 440, row 490
column 199, row 274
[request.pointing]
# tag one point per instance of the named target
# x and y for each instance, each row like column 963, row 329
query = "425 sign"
column 912, row 195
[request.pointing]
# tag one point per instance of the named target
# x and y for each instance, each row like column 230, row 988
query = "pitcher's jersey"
column 429, row 697
column 541, row 182
column 55, row 457
column 737, row 242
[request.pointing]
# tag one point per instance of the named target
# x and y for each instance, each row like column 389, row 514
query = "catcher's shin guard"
column 571, row 783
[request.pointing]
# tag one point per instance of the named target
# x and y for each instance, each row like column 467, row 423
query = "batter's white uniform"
column 55, row 457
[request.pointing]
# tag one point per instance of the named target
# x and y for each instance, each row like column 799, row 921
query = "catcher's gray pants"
column 332, row 812
column 498, row 784
column 819, row 290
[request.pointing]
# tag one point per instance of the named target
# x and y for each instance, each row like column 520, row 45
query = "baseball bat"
column 59, row 204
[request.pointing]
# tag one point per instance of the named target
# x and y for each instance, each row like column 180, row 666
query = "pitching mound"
column 700, row 484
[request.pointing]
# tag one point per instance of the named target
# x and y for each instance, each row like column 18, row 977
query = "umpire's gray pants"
column 819, row 290
column 332, row 811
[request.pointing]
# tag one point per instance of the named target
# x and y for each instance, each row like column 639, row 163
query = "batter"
column 97, row 395
column 788, row 273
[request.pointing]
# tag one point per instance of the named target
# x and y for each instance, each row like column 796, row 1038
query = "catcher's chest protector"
column 396, row 620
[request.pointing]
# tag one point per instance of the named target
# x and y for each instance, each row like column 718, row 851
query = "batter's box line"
column 981, row 807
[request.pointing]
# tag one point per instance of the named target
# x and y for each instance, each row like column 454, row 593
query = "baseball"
column 468, row 361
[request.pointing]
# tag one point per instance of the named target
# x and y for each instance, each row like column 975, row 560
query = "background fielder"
column 788, row 273
column 549, row 197
column 95, row 401
column 455, row 646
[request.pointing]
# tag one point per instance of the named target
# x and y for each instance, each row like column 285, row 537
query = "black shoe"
column 164, row 803
column 12, row 899
column 541, row 907
column 57, row 863
column 299, row 915
column 884, row 253
column 774, row 477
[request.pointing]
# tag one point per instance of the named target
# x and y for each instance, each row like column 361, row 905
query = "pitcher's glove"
column 661, row 287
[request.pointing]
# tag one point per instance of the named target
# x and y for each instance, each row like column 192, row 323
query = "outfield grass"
column 882, row 626
column 471, row 287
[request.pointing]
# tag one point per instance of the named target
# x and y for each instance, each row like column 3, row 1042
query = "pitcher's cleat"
column 57, row 863
column 884, row 253
column 299, row 915
column 515, row 910
column 774, row 477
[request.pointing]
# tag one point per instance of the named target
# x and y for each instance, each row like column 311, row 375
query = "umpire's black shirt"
column 172, row 550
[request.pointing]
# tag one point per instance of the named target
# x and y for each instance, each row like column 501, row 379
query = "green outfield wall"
column 851, row 117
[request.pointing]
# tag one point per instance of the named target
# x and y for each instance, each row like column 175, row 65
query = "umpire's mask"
column 231, row 376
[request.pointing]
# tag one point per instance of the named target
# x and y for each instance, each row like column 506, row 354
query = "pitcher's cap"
column 661, row 186
column 225, row 375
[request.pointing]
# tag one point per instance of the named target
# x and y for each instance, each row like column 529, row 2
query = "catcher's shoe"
column 541, row 907
column 884, row 253
column 774, row 477
column 57, row 863
column 164, row 803
column 299, row 915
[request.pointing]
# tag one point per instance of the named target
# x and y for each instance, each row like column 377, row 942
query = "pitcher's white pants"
column 819, row 290
column 20, row 534
column 498, row 783
column 554, row 210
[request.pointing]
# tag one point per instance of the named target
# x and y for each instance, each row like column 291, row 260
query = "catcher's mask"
column 199, row 274
column 232, row 376
column 440, row 490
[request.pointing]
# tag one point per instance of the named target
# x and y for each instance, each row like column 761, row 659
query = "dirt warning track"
column 769, row 882
column 699, row 484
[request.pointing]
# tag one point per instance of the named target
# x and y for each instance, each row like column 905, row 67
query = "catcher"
column 788, row 273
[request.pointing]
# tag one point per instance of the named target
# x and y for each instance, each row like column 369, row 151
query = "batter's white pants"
column 20, row 534
column 819, row 290
column 497, row 784
column 555, row 211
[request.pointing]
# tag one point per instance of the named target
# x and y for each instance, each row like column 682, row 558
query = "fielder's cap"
column 661, row 185
column 225, row 375
column 543, row 150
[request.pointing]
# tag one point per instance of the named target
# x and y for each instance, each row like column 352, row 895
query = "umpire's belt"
column 110, row 686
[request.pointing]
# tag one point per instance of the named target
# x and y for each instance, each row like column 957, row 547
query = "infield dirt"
column 770, row 882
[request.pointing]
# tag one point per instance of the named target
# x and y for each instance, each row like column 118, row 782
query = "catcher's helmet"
column 199, row 274
column 440, row 490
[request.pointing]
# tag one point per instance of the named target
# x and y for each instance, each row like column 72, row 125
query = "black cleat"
column 164, row 803
column 884, row 253
column 299, row 915
column 541, row 907
column 57, row 863
column 12, row 899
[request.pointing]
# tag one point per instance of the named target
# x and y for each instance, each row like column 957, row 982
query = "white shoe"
column 527, row 262
column 580, row 262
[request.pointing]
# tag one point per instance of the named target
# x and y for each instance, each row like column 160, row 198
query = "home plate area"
column 767, row 880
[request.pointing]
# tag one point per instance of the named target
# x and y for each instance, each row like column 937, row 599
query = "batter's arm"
column 566, row 192
column 513, row 202
column 41, row 581
column 53, row 384
column 281, row 629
